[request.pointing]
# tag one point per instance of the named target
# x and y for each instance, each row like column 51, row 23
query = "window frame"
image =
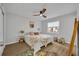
column 53, row 26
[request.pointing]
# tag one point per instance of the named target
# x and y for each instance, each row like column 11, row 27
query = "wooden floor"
column 14, row 49
column 55, row 49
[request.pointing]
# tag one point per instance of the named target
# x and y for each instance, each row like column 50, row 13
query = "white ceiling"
column 28, row 9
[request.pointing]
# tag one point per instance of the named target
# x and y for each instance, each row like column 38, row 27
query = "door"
column 1, row 26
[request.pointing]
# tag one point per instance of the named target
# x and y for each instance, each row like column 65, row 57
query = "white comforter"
column 37, row 41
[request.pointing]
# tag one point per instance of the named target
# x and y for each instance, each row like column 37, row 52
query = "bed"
column 37, row 41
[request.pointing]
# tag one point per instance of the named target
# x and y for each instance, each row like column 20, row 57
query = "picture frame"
column 31, row 25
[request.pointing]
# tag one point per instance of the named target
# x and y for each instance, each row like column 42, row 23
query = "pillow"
column 31, row 33
column 36, row 33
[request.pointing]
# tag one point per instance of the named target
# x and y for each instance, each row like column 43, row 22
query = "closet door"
column 1, row 26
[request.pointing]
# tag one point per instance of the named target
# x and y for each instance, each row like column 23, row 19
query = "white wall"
column 66, row 25
column 77, row 7
column 16, row 23
column 78, row 30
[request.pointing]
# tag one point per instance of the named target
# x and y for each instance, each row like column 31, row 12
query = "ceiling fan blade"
column 44, row 16
column 43, row 11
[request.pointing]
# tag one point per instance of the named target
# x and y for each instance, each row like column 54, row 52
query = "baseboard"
column 1, row 50
column 11, row 43
column 69, row 43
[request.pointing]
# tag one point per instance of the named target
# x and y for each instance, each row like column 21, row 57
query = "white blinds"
column 53, row 24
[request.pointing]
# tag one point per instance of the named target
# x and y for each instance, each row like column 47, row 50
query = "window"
column 53, row 26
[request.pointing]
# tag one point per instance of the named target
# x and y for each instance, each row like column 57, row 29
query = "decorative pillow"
column 31, row 33
column 36, row 33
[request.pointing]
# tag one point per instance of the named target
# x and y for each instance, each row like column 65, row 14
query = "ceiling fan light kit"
column 41, row 14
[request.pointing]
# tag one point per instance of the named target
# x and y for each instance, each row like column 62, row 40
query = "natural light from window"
column 53, row 26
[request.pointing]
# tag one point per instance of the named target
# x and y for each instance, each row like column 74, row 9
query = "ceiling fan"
column 41, row 13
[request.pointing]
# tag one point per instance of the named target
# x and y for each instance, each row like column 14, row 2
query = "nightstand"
column 21, row 39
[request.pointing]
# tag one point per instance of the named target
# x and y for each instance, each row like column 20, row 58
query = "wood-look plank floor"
column 55, row 49
column 14, row 49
